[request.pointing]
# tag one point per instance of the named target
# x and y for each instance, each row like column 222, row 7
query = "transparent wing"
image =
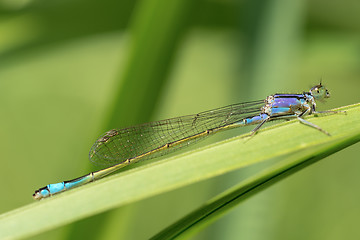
column 118, row 145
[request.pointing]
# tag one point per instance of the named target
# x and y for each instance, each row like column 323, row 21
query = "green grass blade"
column 220, row 205
column 290, row 138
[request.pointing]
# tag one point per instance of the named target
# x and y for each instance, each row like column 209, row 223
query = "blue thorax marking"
column 282, row 105
column 280, row 102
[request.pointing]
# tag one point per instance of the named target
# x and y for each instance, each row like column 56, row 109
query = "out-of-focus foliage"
column 70, row 70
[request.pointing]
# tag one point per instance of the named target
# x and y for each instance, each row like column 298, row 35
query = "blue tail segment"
column 54, row 188
column 254, row 120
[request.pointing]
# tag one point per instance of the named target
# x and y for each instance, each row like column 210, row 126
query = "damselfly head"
column 319, row 92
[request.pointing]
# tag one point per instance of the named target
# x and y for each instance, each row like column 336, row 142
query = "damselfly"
column 118, row 148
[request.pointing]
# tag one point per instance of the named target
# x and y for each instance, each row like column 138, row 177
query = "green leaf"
column 289, row 164
column 297, row 145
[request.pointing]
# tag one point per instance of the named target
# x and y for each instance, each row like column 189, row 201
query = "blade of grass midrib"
column 169, row 174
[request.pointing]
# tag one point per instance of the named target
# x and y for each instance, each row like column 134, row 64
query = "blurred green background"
column 70, row 70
